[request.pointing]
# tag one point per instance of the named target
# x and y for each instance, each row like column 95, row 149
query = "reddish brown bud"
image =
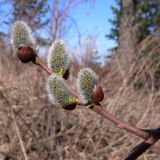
column 66, row 74
column 98, row 94
column 70, row 106
column 26, row 54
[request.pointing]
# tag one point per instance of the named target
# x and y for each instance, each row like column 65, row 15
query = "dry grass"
column 49, row 132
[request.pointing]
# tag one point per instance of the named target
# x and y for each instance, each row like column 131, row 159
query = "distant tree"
column 31, row 11
column 114, row 32
column 133, row 21
column 49, row 19
column 61, row 21
column 52, row 16
column 91, row 56
column 145, row 16
column 148, row 16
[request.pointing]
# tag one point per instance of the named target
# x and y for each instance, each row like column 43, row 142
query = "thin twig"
column 42, row 65
column 19, row 136
column 17, row 114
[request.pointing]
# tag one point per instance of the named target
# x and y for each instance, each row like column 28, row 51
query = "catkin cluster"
column 58, row 61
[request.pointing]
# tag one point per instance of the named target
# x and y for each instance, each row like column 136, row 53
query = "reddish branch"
column 42, row 65
column 121, row 124
column 150, row 136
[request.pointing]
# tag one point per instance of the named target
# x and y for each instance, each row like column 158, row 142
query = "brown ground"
column 51, row 133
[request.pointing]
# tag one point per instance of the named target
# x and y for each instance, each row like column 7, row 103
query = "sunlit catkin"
column 58, row 60
column 86, row 82
column 21, row 36
column 59, row 92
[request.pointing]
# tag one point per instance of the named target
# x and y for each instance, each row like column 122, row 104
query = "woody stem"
column 119, row 123
column 42, row 65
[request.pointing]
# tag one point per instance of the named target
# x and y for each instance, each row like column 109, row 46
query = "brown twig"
column 119, row 123
column 142, row 147
column 150, row 136
column 19, row 136
column 42, row 65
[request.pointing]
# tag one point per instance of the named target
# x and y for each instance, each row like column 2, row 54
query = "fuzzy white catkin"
column 86, row 82
column 58, row 60
column 58, row 92
column 21, row 35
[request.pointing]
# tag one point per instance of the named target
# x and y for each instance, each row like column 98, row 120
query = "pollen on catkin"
column 21, row 35
column 58, row 92
column 58, row 60
column 86, row 82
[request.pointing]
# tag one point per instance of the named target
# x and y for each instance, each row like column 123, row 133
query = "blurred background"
column 119, row 40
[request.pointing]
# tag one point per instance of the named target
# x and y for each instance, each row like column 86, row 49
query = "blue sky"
column 93, row 20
